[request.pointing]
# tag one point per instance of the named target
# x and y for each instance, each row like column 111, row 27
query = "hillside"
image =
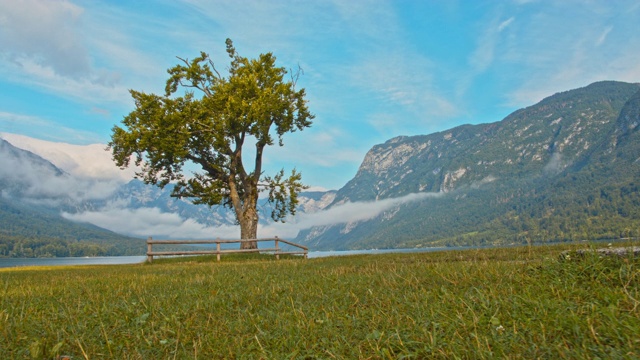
column 562, row 169
column 28, row 231
column 38, row 201
column 30, row 220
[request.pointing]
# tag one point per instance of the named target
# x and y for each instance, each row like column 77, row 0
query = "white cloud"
column 503, row 25
column 358, row 211
column 489, row 40
column 372, row 61
column 82, row 161
column 314, row 148
column 144, row 222
column 46, row 33
column 401, row 81
column 50, row 130
column 372, row 19
column 43, row 45
column 349, row 212
column 556, row 53
column 99, row 86
column 40, row 183
column 371, row 71
column 72, row 51
column 601, row 39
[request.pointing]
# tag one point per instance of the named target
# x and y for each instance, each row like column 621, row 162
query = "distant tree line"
column 608, row 212
column 524, row 213
column 29, row 247
column 31, row 231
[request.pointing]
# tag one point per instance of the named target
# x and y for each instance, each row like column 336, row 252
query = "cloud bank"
column 81, row 176
column 144, row 222
column 349, row 212
column 46, row 34
column 91, row 175
column 82, row 161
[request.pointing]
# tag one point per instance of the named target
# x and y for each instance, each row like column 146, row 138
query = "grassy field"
column 476, row 304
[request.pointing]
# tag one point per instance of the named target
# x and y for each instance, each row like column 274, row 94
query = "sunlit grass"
column 491, row 303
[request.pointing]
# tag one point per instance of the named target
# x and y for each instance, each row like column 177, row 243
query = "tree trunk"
column 249, row 230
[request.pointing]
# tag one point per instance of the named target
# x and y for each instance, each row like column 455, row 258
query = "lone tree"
column 253, row 103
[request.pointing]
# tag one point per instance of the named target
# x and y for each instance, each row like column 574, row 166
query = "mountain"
column 137, row 195
column 18, row 166
column 38, row 202
column 563, row 169
column 30, row 220
column 28, row 231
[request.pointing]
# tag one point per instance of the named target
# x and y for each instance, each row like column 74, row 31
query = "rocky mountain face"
column 527, row 178
column 563, row 169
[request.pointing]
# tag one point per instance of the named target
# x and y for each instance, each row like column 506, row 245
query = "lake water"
column 101, row 260
column 119, row 260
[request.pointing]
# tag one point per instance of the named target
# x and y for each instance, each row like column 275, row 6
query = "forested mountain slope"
column 563, row 169
column 35, row 195
column 30, row 221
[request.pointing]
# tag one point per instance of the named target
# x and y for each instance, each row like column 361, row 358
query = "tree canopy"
column 207, row 119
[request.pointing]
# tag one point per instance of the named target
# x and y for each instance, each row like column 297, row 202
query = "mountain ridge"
column 562, row 169
column 31, row 227
column 41, row 204
column 488, row 170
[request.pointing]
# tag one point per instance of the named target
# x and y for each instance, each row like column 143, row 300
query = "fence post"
column 276, row 250
column 149, row 250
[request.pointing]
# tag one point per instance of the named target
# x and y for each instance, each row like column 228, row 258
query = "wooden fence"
column 276, row 250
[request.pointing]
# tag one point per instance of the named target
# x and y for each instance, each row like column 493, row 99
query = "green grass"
column 490, row 303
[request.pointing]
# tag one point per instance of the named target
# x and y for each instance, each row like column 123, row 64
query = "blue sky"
column 373, row 70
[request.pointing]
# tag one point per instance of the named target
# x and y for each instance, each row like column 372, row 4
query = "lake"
column 100, row 260
column 120, row 260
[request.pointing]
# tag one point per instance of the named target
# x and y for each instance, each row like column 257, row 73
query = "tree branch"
column 213, row 172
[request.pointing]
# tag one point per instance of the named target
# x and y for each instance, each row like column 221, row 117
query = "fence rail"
column 276, row 250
